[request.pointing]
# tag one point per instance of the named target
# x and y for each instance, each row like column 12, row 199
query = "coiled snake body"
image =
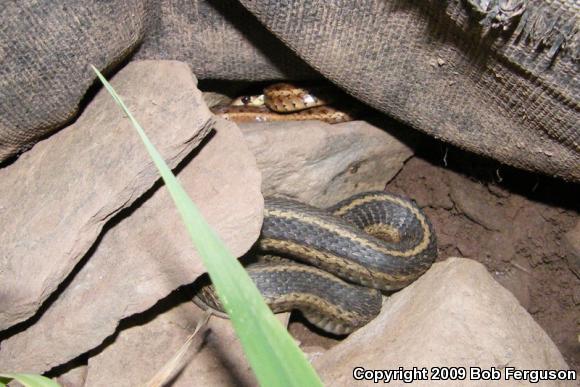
column 369, row 242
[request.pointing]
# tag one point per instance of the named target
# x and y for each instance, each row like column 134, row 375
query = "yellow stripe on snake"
column 368, row 243
column 286, row 102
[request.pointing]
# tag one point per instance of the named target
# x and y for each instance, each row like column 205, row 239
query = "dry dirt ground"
column 511, row 221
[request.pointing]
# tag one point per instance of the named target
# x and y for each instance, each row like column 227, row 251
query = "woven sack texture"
column 497, row 77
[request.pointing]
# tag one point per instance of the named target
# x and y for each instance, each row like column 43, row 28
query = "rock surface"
column 572, row 238
column 455, row 315
column 55, row 199
column 321, row 164
column 215, row 357
column 473, row 201
column 75, row 377
column 146, row 255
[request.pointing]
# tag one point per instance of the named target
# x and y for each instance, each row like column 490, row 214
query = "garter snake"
column 286, row 102
column 368, row 243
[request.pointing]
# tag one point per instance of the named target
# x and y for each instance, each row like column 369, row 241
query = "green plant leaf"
column 273, row 355
column 28, row 380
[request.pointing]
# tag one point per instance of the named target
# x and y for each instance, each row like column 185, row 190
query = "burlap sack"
column 497, row 77
column 45, row 51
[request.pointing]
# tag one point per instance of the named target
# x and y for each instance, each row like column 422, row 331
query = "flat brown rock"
column 74, row 377
column 146, row 255
column 455, row 315
column 321, row 164
column 55, row 199
column 215, row 358
column 572, row 239
column 476, row 202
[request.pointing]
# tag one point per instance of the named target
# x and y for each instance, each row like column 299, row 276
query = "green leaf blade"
column 28, row 380
column 271, row 351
